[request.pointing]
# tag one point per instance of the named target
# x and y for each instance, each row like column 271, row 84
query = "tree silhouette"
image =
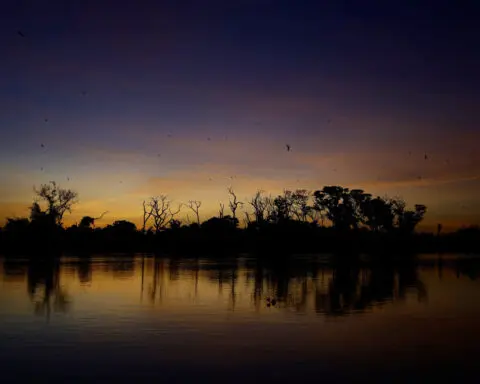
column 147, row 213
column 220, row 225
column 406, row 220
column 58, row 200
column 233, row 203
column 221, row 211
column 378, row 214
column 300, row 204
column 175, row 224
column 159, row 210
column 259, row 204
column 195, row 205
column 283, row 207
column 88, row 222
column 333, row 200
column 16, row 225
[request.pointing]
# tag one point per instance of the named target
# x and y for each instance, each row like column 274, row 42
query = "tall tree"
column 331, row 200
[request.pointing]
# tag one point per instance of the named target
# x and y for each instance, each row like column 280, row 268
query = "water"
column 144, row 319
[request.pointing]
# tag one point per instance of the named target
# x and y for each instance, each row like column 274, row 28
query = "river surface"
column 140, row 319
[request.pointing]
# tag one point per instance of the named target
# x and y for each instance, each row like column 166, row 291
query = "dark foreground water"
column 134, row 319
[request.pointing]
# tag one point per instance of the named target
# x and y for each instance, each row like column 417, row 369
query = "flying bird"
column 46, row 120
column 425, row 157
column 208, row 138
column 288, row 147
column 20, row 34
column 42, row 145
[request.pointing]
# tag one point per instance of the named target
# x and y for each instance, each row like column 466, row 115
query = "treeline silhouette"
column 332, row 219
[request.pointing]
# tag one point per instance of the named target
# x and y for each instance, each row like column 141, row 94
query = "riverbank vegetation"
column 331, row 219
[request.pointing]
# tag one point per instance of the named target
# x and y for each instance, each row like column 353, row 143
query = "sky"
column 185, row 98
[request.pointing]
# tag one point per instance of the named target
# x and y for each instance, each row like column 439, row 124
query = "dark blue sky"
column 338, row 79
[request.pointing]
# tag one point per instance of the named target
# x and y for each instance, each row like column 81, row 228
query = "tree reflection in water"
column 296, row 285
column 44, row 288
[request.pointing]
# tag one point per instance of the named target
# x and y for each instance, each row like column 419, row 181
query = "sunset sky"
column 132, row 92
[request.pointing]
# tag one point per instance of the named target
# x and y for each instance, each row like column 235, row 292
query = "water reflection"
column 300, row 287
column 44, row 288
column 190, row 317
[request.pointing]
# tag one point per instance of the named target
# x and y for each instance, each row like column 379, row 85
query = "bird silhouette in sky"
column 46, row 120
column 41, row 168
column 425, row 156
column 42, row 145
column 288, row 147
column 68, row 178
column 20, row 34
column 208, row 138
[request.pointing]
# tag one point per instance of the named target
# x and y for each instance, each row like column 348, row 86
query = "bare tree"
column 59, row 200
column 195, row 205
column 147, row 213
column 158, row 208
column 174, row 213
column 259, row 204
column 270, row 207
column 221, row 211
column 233, row 203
